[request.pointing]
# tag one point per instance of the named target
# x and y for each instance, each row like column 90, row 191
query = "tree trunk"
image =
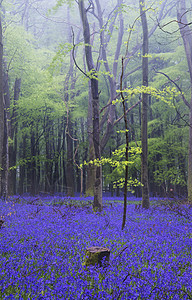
column 186, row 34
column 83, row 180
column 1, row 103
column 69, row 96
column 22, row 167
column 4, row 89
column 13, row 136
column 109, row 115
column 70, row 166
column 5, row 158
column 97, row 202
column 127, row 148
column 56, row 174
column 144, row 137
column 32, row 174
column 49, row 155
column 90, row 179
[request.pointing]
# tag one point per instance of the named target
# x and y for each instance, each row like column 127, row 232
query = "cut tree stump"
column 1, row 223
column 95, row 256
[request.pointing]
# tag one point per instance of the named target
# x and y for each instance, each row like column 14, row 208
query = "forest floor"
column 43, row 242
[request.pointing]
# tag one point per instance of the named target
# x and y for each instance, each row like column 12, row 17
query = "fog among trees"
column 90, row 90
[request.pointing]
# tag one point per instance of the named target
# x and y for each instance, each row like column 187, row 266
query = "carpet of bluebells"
column 43, row 242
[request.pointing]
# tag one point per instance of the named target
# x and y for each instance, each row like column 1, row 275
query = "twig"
column 182, row 95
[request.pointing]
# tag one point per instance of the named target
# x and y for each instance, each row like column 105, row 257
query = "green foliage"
column 162, row 157
column 43, row 62
column 117, row 165
column 61, row 3
column 166, row 95
column 60, row 58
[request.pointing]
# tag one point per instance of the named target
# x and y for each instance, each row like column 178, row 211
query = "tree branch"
column 127, row 111
column 177, row 86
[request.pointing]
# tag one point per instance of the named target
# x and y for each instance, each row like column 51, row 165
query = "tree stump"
column 1, row 223
column 95, row 256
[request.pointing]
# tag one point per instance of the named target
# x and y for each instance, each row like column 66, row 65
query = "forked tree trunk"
column 97, row 202
column 144, row 137
column 186, row 34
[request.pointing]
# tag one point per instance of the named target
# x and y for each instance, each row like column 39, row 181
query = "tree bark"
column 13, row 136
column 97, row 202
column 5, row 104
column 109, row 116
column 91, row 156
column 127, row 149
column 1, row 103
column 48, row 128
column 186, row 34
column 70, row 165
column 5, row 158
column 144, row 136
column 57, row 168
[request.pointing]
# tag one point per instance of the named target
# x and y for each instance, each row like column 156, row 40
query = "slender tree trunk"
column 13, row 136
column 70, row 165
column 49, row 155
column 1, row 104
column 97, row 202
column 5, row 158
column 126, row 147
column 91, row 156
column 63, row 160
column 69, row 96
column 56, row 175
column 32, row 174
column 144, row 137
column 83, row 180
column 37, row 161
column 186, row 34
column 4, row 134
column 22, row 167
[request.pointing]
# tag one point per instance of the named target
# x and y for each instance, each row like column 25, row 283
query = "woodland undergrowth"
column 43, row 242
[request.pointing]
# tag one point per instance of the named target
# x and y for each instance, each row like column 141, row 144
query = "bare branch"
column 73, row 54
column 177, row 86
column 127, row 111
